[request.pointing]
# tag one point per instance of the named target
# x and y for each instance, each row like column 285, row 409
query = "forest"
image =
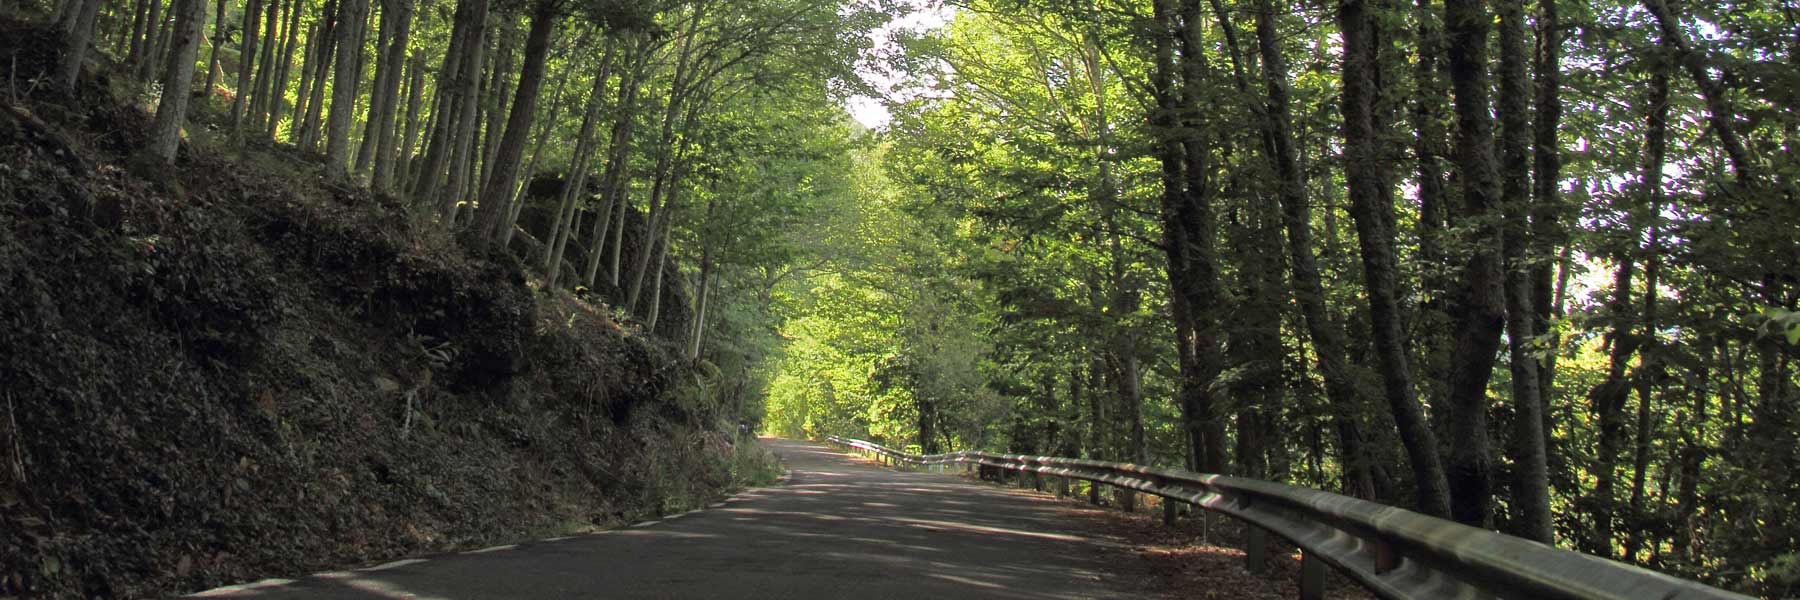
column 1530, row 265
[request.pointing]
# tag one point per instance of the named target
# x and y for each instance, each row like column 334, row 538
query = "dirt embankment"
column 229, row 370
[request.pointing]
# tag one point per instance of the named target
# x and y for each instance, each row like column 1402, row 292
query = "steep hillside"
column 229, row 370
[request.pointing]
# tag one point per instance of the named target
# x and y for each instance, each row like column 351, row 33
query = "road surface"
column 839, row 528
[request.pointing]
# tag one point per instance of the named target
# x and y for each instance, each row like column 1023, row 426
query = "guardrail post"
column 1386, row 558
column 1037, row 481
column 1127, row 500
column 1171, row 511
column 1256, row 549
column 1312, row 577
column 1062, row 487
column 1093, row 493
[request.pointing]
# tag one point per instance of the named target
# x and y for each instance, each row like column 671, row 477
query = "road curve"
column 839, row 528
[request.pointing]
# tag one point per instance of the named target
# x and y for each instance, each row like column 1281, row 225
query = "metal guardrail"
column 1394, row 553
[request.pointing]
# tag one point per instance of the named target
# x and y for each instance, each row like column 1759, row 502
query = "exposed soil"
column 229, row 370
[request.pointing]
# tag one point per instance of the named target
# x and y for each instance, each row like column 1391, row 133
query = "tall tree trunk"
column 344, row 88
column 1187, row 226
column 76, row 39
column 140, row 23
column 574, row 188
column 278, row 93
column 145, row 66
column 303, row 94
column 218, row 45
column 171, row 109
column 403, row 162
column 1482, row 300
column 1309, row 291
column 496, row 198
column 395, row 64
column 321, row 68
column 614, row 192
column 379, row 95
column 1531, row 479
column 1371, row 206
column 468, row 92
column 444, row 110
column 265, row 70
column 246, row 65
column 1547, row 209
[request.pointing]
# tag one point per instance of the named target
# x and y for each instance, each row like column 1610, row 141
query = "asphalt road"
column 839, row 528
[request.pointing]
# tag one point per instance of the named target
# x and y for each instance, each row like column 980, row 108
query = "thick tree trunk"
column 1531, row 480
column 344, row 88
column 171, row 110
column 1371, row 205
column 496, row 198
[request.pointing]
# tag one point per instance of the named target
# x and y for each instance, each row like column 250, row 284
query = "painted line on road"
column 646, row 524
column 394, row 565
column 493, row 549
column 716, row 505
column 556, row 539
column 242, row 587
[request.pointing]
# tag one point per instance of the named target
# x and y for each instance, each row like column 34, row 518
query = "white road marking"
column 493, row 549
column 394, row 565
column 646, row 523
column 555, row 539
column 242, row 587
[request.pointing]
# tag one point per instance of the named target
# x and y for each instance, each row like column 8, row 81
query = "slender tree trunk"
column 265, row 70
column 140, row 22
column 76, row 39
column 496, row 198
column 321, row 68
column 395, row 65
column 171, row 110
column 1309, row 291
column 444, row 111
column 700, row 305
column 1371, row 207
column 615, row 192
column 145, row 66
column 574, row 188
column 381, row 97
column 467, row 98
column 278, row 92
column 1531, row 480
column 403, row 167
column 344, row 84
column 246, row 65
column 218, row 45
column 1547, row 211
